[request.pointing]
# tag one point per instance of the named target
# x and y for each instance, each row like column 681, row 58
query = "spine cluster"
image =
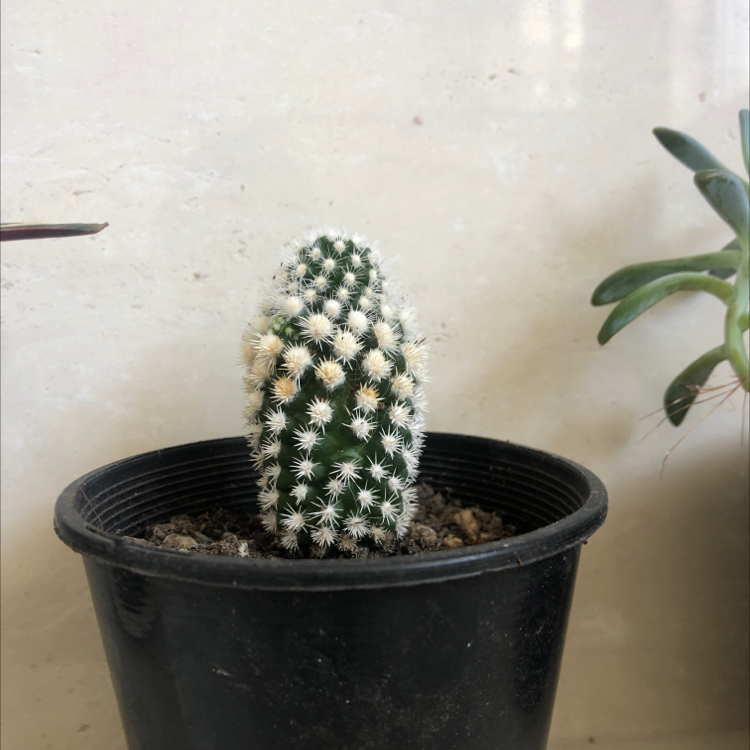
column 335, row 402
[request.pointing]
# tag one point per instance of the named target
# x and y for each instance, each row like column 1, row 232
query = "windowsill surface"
column 716, row 741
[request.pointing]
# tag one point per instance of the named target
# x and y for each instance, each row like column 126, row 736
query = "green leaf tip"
column 684, row 389
column 727, row 196
column 687, row 150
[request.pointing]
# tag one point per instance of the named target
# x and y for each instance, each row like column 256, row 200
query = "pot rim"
column 332, row 575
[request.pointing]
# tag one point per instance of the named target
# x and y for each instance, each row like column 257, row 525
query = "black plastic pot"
column 439, row 651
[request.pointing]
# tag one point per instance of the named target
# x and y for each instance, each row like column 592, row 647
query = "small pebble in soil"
column 441, row 522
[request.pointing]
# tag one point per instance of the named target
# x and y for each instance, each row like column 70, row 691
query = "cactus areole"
column 335, row 367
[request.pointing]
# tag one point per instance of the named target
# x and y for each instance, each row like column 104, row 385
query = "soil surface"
column 440, row 523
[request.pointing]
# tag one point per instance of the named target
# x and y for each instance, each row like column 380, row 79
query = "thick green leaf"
column 620, row 284
column 727, row 196
column 43, row 231
column 647, row 296
column 687, row 150
column 684, row 389
column 725, row 273
column 745, row 137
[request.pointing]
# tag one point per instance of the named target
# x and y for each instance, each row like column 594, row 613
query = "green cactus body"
column 335, row 401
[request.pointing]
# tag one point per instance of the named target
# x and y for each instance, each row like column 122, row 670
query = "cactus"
column 335, row 368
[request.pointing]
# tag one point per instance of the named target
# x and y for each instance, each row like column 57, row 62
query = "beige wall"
column 502, row 154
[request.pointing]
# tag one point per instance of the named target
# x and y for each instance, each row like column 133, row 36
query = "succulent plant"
column 639, row 287
column 335, row 368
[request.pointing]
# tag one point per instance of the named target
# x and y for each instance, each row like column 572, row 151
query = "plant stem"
column 733, row 333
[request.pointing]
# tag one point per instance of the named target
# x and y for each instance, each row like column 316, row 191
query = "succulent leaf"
column 727, row 196
column 687, row 150
column 620, row 284
column 745, row 137
column 647, row 296
column 335, row 398
column 684, row 389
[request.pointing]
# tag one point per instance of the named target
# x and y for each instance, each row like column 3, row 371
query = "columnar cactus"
column 334, row 382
